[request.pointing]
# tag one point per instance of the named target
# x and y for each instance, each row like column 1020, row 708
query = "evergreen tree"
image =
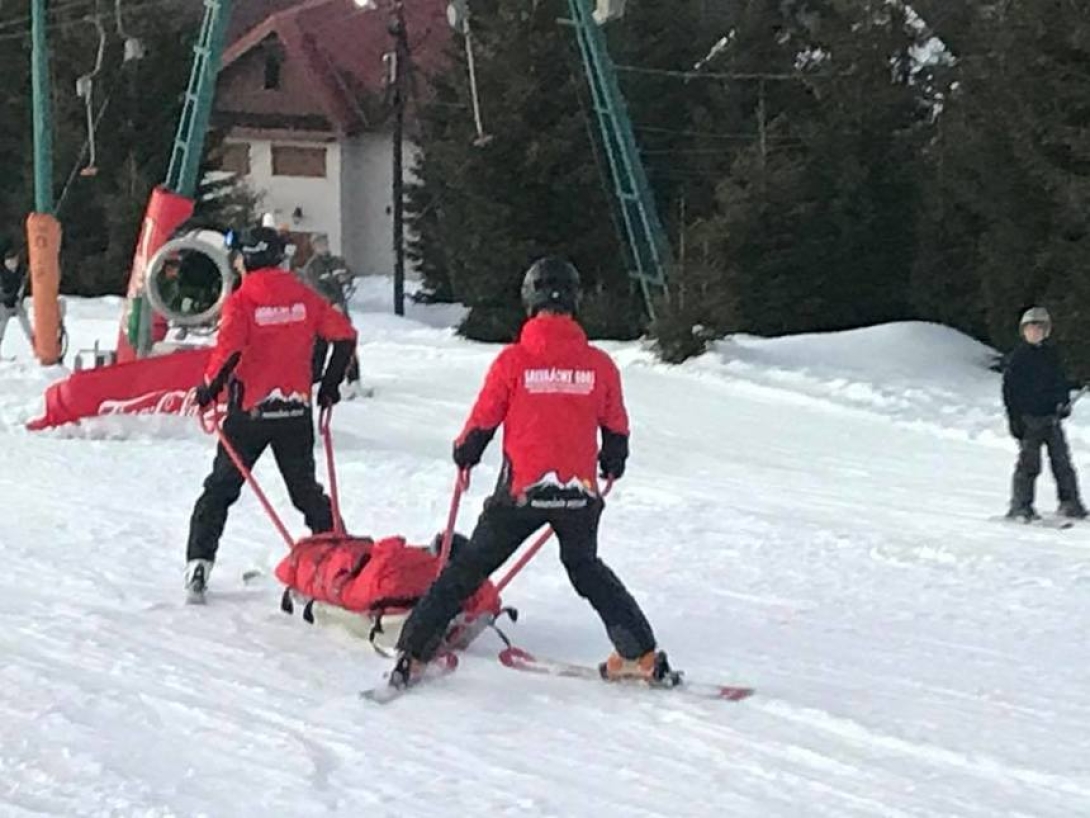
column 815, row 222
column 1010, row 176
column 482, row 214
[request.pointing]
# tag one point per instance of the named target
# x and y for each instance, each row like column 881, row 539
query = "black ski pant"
column 501, row 529
column 292, row 443
column 1043, row 431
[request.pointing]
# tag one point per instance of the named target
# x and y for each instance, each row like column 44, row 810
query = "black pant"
column 501, row 529
column 1044, row 431
column 292, row 442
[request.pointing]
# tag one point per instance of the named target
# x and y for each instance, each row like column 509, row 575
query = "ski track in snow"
column 806, row 515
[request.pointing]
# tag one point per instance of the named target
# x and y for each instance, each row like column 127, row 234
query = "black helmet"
column 260, row 247
column 551, row 283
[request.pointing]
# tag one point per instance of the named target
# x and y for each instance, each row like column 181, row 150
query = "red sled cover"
column 369, row 577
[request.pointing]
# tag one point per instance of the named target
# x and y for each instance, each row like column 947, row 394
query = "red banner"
column 160, row 385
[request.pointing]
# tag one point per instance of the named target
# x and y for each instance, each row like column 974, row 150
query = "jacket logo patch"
column 274, row 316
column 558, row 381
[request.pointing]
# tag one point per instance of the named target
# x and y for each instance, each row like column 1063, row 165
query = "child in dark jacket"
column 12, row 288
column 1037, row 397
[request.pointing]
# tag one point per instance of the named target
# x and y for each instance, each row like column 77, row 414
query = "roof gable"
column 339, row 47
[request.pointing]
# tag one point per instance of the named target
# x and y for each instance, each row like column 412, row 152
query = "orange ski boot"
column 651, row 668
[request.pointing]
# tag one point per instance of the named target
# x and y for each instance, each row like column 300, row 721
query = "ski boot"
column 1072, row 509
column 652, row 668
column 196, row 581
column 407, row 672
column 1024, row 514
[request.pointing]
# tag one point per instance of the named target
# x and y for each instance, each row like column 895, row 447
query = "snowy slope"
column 807, row 515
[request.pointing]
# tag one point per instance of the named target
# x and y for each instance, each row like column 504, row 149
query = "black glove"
column 610, row 469
column 205, row 396
column 613, row 456
column 1063, row 410
column 1017, row 427
column 329, row 394
column 207, row 392
column 469, row 450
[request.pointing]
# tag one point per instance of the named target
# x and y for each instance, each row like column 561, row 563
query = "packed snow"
column 806, row 515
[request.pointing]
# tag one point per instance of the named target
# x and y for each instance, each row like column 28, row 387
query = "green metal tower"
column 183, row 175
column 185, row 159
column 43, row 111
column 647, row 240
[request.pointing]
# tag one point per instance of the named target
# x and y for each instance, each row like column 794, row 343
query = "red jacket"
column 552, row 391
column 271, row 321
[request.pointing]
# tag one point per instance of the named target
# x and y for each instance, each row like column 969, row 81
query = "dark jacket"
column 11, row 285
column 1034, row 383
column 328, row 275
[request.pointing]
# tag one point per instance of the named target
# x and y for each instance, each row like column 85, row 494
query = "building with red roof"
column 303, row 96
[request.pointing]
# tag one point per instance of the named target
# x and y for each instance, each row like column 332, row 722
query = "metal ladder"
column 183, row 174
column 647, row 240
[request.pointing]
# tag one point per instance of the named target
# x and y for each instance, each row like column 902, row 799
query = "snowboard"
column 1046, row 521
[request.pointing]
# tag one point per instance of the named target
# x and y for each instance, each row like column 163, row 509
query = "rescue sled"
column 368, row 586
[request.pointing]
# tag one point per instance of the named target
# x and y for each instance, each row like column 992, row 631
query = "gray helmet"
column 1035, row 315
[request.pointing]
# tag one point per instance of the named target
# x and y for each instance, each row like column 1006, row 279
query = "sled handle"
column 537, row 545
column 461, row 485
column 325, row 419
column 212, row 423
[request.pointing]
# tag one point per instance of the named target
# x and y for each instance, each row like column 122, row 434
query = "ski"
column 518, row 659
column 384, row 692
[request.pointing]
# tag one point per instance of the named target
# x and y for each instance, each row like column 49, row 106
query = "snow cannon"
column 190, row 278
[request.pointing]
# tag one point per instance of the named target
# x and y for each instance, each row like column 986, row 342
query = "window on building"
column 272, row 71
column 292, row 160
column 235, row 158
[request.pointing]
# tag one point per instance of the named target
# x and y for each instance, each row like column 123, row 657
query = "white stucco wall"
column 353, row 205
column 367, row 223
column 319, row 199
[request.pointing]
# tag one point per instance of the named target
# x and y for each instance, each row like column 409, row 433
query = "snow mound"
column 913, row 373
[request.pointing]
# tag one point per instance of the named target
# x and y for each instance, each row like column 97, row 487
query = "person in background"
column 331, row 278
column 13, row 280
column 1037, row 398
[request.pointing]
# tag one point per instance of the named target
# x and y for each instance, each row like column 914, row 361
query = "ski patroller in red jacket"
column 552, row 392
column 271, row 322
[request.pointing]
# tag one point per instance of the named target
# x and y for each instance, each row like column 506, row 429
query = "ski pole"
column 211, row 423
column 325, row 417
column 460, row 486
column 531, row 552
